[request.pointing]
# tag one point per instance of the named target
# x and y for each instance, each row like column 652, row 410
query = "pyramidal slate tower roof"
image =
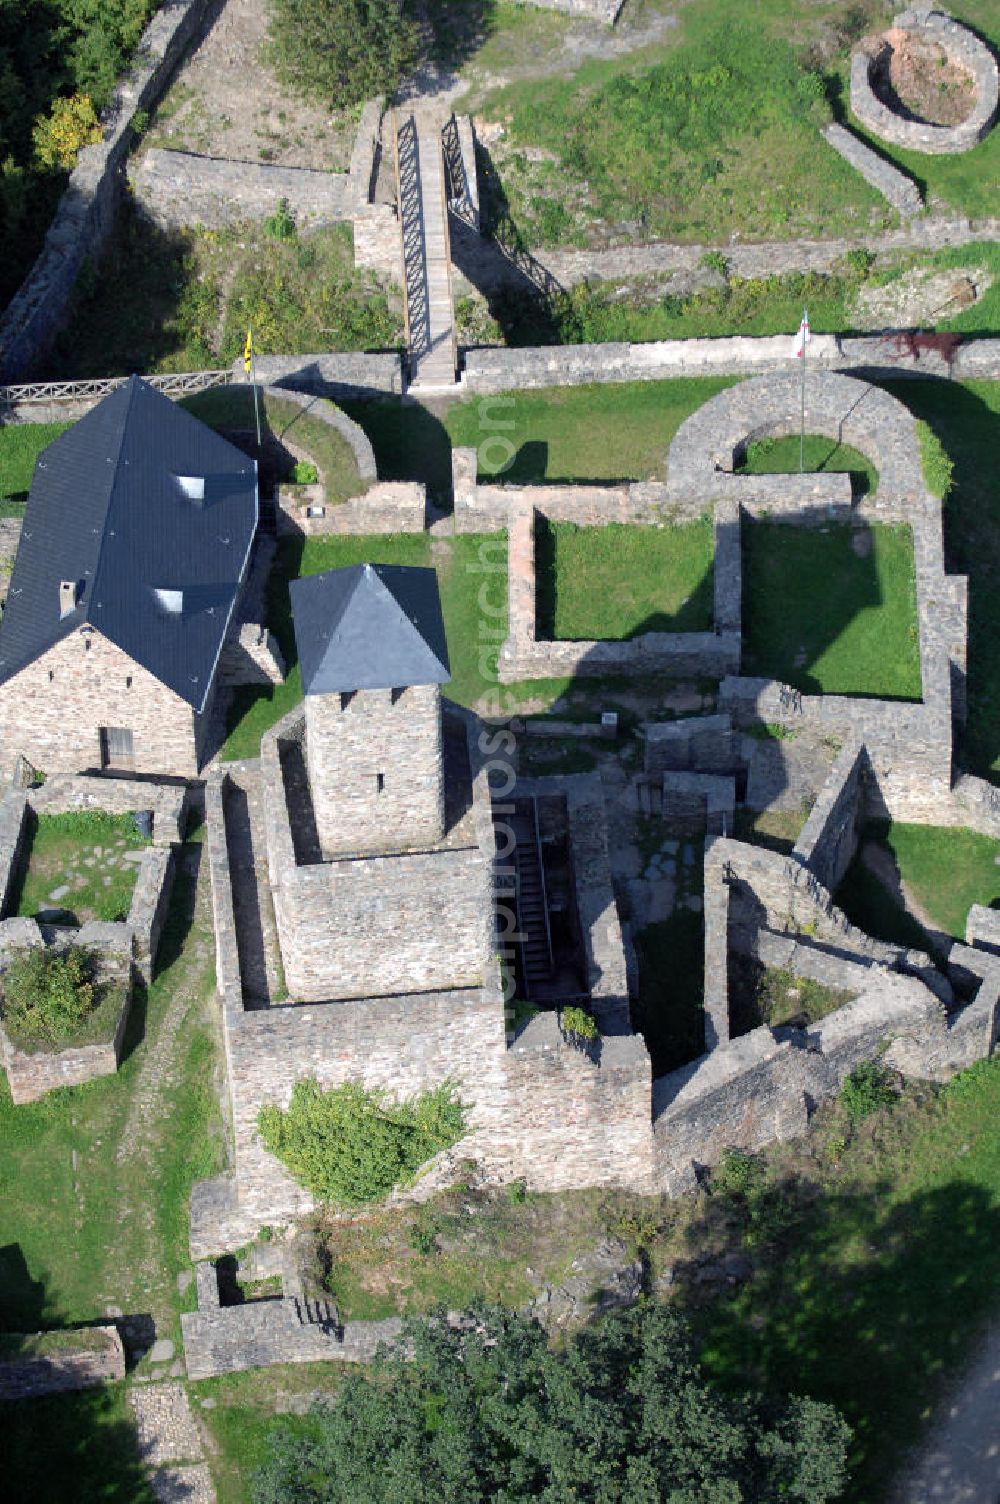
column 148, row 517
column 369, row 626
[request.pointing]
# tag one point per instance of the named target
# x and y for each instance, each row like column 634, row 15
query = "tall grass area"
column 621, row 580
column 183, row 301
column 720, row 132
column 826, row 619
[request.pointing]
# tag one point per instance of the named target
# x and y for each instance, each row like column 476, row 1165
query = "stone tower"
column 373, row 654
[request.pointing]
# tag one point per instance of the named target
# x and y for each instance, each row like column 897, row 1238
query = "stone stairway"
column 423, row 218
column 532, row 907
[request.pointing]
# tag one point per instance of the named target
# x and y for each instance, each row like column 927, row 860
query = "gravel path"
column 960, row 1461
column 168, row 1435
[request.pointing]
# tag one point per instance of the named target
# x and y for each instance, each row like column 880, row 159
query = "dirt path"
column 144, row 1285
column 960, row 1461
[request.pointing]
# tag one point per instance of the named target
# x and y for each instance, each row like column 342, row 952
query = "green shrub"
column 58, row 136
column 737, row 1174
column 715, row 261
column 303, row 473
column 517, row 1192
column 935, row 460
column 860, row 261
column 578, row 1024
column 48, row 994
column 349, row 1146
column 866, row 1089
column 281, row 224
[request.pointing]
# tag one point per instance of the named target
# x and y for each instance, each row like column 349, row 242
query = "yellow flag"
column 248, row 354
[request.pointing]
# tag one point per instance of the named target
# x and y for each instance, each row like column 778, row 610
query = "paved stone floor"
column 168, row 1435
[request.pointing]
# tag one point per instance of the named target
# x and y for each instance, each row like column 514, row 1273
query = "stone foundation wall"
column 262, row 1332
column 87, row 209
column 251, row 655
column 168, row 802
column 504, row 370
column 386, row 507
column 962, row 47
column 33, row 1073
column 176, row 189
column 591, row 10
column 895, row 187
column 102, row 1362
column 829, row 839
column 524, row 656
column 341, row 374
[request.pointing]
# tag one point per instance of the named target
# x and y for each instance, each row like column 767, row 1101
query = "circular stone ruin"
column 928, row 83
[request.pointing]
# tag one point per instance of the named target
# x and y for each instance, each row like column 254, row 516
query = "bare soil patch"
column 917, row 79
column 225, row 102
column 919, row 298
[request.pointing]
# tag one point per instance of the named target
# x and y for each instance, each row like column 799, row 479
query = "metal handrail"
column 402, row 232
column 75, row 391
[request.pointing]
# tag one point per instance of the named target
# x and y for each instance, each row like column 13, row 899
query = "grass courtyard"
column 81, row 864
column 831, row 610
column 622, row 580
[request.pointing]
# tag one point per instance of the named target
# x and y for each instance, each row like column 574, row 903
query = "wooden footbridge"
column 429, row 306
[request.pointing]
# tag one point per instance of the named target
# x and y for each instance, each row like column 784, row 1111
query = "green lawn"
column 818, row 616
column 946, row 870
column 232, row 407
column 877, row 1257
column 817, row 454
column 63, row 853
column 600, row 433
column 80, row 1228
column 619, row 581
column 241, row 1410
column 20, row 446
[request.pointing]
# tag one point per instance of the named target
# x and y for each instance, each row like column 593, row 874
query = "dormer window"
column 68, row 597
column 171, row 601
column 192, row 486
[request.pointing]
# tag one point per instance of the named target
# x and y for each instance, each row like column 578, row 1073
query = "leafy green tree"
column 342, row 51
column 621, row 1415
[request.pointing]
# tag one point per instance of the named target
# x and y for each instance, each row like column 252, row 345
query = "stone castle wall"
column 51, row 712
column 101, row 1362
column 86, row 212
column 348, row 373
column 829, row 839
column 388, row 506
column 895, row 187
column 376, row 768
column 177, row 189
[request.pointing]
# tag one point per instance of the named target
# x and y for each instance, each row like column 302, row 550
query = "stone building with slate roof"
column 373, row 654
column 136, row 540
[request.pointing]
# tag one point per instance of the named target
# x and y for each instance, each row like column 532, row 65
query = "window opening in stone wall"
column 397, row 695
column 128, row 681
column 380, row 783
column 51, row 675
column 346, row 699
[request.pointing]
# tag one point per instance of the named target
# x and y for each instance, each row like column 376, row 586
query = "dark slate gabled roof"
column 370, row 626
column 107, row 511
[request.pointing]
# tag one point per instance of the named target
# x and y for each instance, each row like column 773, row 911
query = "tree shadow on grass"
column 72, row 1446
column 867, row 1306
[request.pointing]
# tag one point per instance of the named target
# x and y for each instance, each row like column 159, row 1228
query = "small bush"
column 349, row 1146
column 715, row 261
column 935, row 461
column 423, row 1238
column 860, row 261
column 578, row 1024
column 737, row 1174
column 303, row 474
column 48, row 994
column 866, row 1090
column 281, row 224
column 58, row 136
column 517, row 1192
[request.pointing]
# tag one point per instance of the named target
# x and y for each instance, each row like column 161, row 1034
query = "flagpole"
column 802, row 428
column 253, row 378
